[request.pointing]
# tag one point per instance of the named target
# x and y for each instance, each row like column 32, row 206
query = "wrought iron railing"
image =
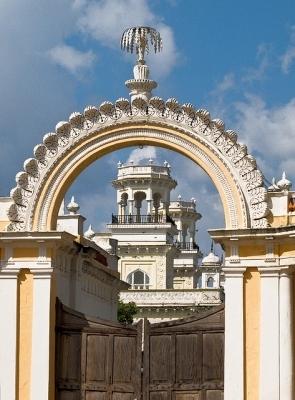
column 187, row 245
column 142, row 219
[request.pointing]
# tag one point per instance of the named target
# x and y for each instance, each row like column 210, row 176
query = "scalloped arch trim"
column 187, row 128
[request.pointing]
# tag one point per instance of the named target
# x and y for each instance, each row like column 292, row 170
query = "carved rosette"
column 195, row 123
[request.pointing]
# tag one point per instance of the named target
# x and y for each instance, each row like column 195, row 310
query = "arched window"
column 138, row 280
column 210, row 282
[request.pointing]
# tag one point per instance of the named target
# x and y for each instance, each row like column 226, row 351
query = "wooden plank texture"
column 101, row 360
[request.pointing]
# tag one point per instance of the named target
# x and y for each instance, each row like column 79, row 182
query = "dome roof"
column 211, row 258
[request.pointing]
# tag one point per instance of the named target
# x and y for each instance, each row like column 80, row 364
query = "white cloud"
column 288, row 57
column 269, row 131
column 218, row 105
column 34, row 94
column 258, row 73
column 71, row 58
column 226, row 84
column 138, row 155
column 162, row 63
column 106, row 20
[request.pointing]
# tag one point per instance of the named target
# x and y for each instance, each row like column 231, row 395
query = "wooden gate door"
column 96, row 359
column 183, row 359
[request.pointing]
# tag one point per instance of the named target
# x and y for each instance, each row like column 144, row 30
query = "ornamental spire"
column 138, row 40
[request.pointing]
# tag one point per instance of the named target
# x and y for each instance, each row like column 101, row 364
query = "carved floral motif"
column 170, row 298
column 195, row 123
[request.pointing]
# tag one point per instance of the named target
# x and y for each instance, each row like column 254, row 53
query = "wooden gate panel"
column 213, row 356
column 93, row 395
column 183, row 359
column 102, row 360
column 214, row 395
column 159, row 395
column 69, row 360
column 187, row 396
column 187, row 363
column 124, row 360
column 96, row 359
column 160, row 359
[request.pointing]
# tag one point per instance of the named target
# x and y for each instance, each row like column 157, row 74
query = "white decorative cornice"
column 195, row 125
column 169, row 298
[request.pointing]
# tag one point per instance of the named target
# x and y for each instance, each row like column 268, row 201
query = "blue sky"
column 237, row 59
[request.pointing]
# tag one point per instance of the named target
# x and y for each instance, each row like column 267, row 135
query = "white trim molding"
column 234, row 333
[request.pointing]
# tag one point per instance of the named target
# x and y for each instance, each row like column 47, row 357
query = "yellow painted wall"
column 252, row 251
column 287, row 250
column 3, row 225
column 251, row 332
column 25, row 320
column 49, row 252
column 25, row 252
column 280, row 220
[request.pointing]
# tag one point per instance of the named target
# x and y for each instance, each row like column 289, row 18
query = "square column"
column 270, row 335
column 286, row 335
column 234, row 335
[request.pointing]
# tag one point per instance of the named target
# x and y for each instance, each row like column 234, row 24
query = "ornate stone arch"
column 85, row 137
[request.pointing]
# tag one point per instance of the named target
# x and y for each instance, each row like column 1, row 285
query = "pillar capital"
column 269, row 272
column 42, row 273
column 9, row 273
column 234, row 272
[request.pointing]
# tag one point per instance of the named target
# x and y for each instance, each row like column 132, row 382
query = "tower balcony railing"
column 186, row 245
column 142, row 219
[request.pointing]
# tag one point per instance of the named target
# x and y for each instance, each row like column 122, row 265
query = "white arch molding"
column 85, row 137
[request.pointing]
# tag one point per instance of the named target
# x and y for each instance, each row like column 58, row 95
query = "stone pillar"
column 41, row 334
column 149, row 206
column 192, row 228
column 8, row 333
column 130, row 206
column 286, row 330
column 179, row 227
column 269, row 382
column 149, row 200
column 184, row 234
column 234, row 335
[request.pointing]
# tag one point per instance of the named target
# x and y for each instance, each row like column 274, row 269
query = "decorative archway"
column 258, row 265
column 86, row 137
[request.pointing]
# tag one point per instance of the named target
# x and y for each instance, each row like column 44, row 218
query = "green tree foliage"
column 126, row 312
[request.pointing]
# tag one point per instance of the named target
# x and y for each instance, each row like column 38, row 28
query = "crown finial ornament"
column 73, row 207
column 138, row 40
column 89, row 234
